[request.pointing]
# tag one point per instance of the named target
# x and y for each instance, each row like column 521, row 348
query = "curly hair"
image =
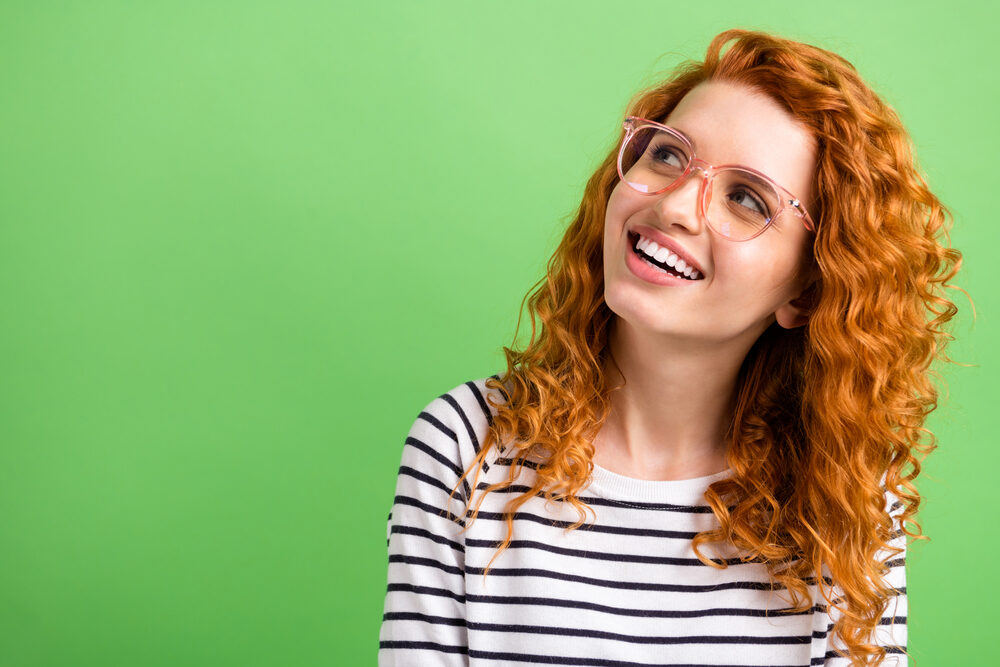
column 826, row 414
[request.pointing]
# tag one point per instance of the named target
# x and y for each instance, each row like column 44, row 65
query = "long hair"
column 825, row 414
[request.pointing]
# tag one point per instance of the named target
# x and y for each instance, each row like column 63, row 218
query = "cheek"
column 762, row 271
column 610, row 211
column 618, row 207
column 614, row 219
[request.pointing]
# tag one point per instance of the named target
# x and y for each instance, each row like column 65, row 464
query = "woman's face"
column 745, row 285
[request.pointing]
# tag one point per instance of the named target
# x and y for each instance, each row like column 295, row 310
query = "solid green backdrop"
column 244, row 243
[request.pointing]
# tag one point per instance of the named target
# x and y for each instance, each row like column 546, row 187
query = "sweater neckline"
column 616, row 487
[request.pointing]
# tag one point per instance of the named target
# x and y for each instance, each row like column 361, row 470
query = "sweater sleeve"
column 891, row 631
column 424, row 614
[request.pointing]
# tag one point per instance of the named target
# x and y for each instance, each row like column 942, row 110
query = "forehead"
column 730, row 123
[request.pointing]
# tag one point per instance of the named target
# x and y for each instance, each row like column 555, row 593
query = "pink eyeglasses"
column 737, row 202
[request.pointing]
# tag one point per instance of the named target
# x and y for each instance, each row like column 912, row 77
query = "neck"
column 670, row 418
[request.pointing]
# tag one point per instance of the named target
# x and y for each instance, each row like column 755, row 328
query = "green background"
column 245, row 243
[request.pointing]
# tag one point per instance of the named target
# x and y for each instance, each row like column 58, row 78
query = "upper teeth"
column 651, row 249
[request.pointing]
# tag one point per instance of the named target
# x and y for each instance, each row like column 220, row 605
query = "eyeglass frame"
column 632, row 124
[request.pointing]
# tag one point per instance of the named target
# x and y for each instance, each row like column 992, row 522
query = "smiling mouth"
column 634, row 239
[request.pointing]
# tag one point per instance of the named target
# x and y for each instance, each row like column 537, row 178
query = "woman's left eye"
column 748, row 199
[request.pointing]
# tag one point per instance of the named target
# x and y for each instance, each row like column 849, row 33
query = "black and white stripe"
column 625, row 589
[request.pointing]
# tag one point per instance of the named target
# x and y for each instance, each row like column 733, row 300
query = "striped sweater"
column 624, row 589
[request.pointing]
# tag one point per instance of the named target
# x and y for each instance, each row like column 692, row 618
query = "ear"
column 796, row 311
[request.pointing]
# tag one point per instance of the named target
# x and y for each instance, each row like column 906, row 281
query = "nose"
column 682, row 205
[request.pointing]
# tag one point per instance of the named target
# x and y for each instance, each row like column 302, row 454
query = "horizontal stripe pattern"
column 624, row 589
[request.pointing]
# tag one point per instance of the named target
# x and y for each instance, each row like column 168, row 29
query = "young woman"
column 705, row 455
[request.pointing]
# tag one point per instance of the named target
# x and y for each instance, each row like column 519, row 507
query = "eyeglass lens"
column 741, row 203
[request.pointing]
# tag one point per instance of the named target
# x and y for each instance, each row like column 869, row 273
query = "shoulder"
column 467, row 402
column 462, row 414
column 893, row 504
column 451, row 428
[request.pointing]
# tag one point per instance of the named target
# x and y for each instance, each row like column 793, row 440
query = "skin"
column 680, row 347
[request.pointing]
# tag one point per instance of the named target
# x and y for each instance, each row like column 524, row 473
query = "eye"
column 664, row 152
column 749, row 200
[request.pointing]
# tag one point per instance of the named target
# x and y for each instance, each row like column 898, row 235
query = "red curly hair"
column 826, row 413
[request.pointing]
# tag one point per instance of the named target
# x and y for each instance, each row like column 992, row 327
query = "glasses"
column 737, row 202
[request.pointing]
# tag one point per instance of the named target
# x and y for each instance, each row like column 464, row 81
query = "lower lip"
column 647, row 272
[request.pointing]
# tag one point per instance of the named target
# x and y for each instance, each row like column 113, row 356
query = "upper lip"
column 665, row 241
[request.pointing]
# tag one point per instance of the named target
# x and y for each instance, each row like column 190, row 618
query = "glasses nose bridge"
column 700, row 165
column 707, row 173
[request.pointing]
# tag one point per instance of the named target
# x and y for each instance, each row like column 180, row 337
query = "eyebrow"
column 684, row 134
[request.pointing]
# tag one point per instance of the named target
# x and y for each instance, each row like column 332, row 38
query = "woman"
column 730, row 382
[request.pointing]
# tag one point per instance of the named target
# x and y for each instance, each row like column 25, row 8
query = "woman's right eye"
column 664, row 153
